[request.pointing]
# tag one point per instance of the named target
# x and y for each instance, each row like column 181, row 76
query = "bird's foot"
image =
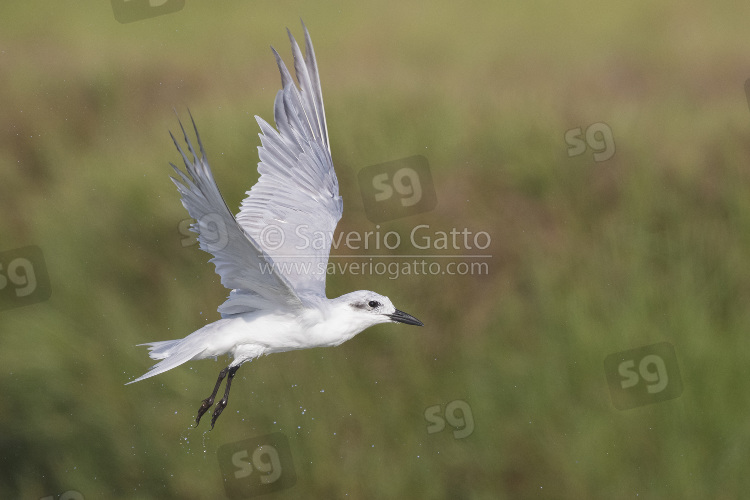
column 217, row 411
column 205, row 405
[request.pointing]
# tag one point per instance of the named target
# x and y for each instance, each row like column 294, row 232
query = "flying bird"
column 269, row 256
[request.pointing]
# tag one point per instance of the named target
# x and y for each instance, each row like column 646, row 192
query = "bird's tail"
column 162, row 349
column 173, row 353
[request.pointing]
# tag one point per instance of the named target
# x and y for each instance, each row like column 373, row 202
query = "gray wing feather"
column 295, row 206
column 312, row 68
column 242, row 264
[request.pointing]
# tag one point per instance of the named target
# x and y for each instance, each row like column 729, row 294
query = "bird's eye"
column 373, row 304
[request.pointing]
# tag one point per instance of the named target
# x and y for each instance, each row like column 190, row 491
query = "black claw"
column 205, row 405
column 217, row 411
column 209, row 401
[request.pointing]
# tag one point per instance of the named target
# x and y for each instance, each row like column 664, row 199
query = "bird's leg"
column 206, row 404
column 223, row 401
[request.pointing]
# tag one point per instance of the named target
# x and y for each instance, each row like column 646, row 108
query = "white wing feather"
column 240, row 262
column 295, row 206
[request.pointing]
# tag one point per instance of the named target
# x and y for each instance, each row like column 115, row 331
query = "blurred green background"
column 588, row 258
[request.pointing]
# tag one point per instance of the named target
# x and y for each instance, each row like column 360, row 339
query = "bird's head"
column 369, row 308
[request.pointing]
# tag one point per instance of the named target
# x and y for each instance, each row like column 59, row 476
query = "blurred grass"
column 588, row 258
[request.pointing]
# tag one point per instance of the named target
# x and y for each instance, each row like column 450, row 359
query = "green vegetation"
column 588, row 258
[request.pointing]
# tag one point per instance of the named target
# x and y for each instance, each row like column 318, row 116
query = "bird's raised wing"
column 293, row 209
column 241, row 263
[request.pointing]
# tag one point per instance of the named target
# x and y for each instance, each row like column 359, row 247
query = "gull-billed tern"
column 264, row 256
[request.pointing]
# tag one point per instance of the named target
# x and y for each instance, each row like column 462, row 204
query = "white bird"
column 273, row 256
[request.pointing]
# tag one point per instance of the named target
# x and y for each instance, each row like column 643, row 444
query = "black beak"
column 402, row 317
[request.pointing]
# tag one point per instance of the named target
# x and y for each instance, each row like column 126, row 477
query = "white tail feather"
column 172, row 353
